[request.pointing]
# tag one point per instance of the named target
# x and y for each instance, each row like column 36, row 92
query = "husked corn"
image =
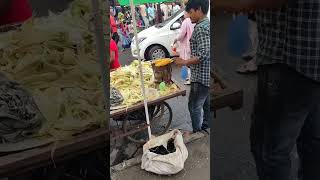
column 163, row 62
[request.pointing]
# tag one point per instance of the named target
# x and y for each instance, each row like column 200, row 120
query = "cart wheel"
column 160, row 121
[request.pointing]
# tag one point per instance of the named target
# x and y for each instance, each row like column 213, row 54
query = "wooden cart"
column 132, row 119
column 23, row 162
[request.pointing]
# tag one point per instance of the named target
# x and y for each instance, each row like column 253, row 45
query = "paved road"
column 230, row 133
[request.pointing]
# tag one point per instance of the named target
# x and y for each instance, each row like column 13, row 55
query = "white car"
column 155, row 42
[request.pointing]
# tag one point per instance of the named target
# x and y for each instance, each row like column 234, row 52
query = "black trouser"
column 286, row 113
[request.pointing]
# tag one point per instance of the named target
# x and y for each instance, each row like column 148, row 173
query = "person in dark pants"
column 199, row 63
column 287, row 107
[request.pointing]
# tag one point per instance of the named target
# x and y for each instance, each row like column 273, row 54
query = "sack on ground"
column 165, row 162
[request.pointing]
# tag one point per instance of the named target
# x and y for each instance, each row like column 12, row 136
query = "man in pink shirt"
column 184, row 41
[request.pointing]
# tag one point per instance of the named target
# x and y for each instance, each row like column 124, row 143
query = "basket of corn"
column 162, row 70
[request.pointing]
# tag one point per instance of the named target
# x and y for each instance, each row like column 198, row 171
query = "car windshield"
column 160, row 25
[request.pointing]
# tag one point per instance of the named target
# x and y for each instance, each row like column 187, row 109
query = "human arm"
column 112, row 56
column 183, row 32
column 203, row 49
column 113, row 49
column 246, row 5
column 188, row 62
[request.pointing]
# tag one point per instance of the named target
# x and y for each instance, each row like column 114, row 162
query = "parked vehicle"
column 155, row 42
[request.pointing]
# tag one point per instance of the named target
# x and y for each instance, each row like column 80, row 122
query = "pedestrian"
column 121, row 16
column 170, row 7
column 152, row 14
column 143, row 12
column 199, row 63
column 287, row 107
column 124, row 36
column 114, row 55
column 184, row 41
column 127, row 17
column 175, row 8
column 165, row 11
column 113, row 27
column 250, row 66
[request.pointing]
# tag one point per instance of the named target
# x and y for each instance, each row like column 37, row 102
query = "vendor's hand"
column 179, row 61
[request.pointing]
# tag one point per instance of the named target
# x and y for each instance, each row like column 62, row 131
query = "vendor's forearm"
column 247, row 5
column 192, row 61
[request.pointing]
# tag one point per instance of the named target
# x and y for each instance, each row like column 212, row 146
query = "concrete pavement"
column 232, row 159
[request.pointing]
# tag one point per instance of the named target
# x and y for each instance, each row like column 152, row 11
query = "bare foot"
column 186, row 134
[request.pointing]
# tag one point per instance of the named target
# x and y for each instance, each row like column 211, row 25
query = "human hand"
column 179, row 61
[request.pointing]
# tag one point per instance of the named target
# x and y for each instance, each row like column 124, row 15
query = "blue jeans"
column 286, row 113
column 199, row 100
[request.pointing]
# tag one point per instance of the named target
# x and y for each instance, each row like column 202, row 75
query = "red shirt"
column 113, row 24
column 114, row 48
column 17, row 12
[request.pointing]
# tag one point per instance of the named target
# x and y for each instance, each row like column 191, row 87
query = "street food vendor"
column 14, row 11
column 199, row 63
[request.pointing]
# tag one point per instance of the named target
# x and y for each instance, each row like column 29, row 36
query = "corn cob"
column 163, row 62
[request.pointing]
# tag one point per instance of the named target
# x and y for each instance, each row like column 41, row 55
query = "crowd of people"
column 121, row 23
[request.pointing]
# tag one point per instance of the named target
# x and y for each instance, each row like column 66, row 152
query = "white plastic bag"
column 165, row 164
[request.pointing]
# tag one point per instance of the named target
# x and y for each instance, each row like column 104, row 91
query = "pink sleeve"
column 183, row 31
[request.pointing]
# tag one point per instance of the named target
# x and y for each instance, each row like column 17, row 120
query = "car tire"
column 156, row 52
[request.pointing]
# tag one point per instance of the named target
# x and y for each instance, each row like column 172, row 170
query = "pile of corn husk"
column 55, row 59
column 127, row 80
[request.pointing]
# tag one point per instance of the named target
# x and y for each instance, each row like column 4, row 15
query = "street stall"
column 153, row 76
column 54, row 61
column 129, row 112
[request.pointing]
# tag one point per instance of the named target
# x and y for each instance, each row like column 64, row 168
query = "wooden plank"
column 138, row 106
column 25, row 161
column 116, row 134
column 230, row 96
